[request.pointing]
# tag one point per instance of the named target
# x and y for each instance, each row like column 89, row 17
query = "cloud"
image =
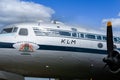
column 119, row 14
column 115, row 21
column 12, row 11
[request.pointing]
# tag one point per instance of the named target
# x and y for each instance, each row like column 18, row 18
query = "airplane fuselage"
column 52, row 51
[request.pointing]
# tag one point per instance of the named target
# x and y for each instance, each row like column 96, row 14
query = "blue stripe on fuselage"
column 6, row 45
column 59, row 48
column 73, row 49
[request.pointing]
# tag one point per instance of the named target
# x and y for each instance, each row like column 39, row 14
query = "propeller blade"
column 109, row 39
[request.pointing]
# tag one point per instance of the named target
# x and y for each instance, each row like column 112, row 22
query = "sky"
column 91, row 13
column 85, row 13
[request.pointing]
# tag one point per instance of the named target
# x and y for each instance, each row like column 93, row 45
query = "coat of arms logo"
column 26, row 47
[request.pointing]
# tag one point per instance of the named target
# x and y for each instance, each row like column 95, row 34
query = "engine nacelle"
column 113, row 62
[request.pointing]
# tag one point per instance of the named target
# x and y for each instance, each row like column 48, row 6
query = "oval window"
column 100, row 45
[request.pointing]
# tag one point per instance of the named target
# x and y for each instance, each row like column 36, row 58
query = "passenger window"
column 52, row 33
column 23, row 32
column 90, row 36
column 115, row 40
column 37, row 31
column 104, row 38
column 81, row 35
column 98, row 37
column 118, row 39
column 74, row 34
column 63, row 33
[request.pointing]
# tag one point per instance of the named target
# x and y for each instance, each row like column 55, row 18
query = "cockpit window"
column 23, row 32
column 15, row 29
column 9, row 30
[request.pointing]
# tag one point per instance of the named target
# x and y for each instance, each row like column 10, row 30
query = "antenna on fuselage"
column 39, row 22
column 54, row 21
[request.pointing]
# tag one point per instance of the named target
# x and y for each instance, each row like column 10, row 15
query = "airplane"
column 56, row 50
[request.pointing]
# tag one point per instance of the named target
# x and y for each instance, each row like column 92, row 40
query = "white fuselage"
column 52, row 50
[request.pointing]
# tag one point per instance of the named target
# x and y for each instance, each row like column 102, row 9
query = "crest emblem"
column 26, row 46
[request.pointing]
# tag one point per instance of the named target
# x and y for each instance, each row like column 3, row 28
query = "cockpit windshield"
column 9, row 30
